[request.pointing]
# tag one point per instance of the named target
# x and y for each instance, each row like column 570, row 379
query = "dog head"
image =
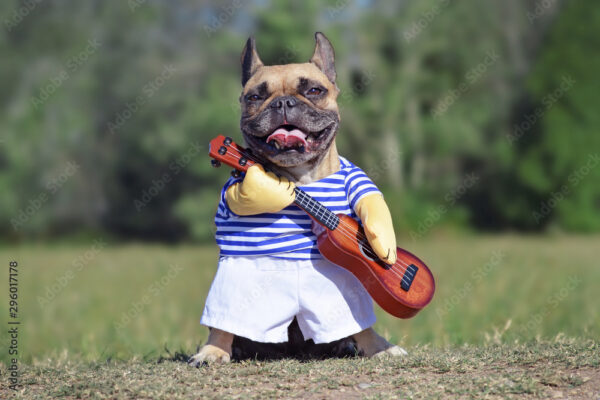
column 289, row 112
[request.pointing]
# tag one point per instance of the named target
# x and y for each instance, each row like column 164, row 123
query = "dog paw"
column 209, row 354
column 393, row 351
column 370, row 344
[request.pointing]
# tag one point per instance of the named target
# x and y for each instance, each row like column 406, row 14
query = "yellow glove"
column 377, row 222
column 260, row 192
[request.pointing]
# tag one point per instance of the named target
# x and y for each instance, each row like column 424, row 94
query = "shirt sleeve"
column 358, row 185
column 223, row 211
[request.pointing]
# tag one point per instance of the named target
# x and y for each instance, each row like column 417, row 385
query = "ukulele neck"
column 316, row 210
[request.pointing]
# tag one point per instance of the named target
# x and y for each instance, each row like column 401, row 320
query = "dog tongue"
column 287, row 138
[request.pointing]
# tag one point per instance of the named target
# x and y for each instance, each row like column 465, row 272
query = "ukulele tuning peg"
column 215, row 163
column 227, row 141
column 235, row 173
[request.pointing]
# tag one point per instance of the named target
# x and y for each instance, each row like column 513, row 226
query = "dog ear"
column 324, row 56
column 250, row 60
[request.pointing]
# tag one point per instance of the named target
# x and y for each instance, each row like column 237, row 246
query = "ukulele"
column 401, row 289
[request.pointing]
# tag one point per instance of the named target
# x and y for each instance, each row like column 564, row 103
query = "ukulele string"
column 399, row 268
column 347, row 231
column 350, row 233
column 399, row 271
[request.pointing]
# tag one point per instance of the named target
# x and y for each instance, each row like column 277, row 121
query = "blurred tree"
column 446, row 75
column 560, row 161
column 107, row 108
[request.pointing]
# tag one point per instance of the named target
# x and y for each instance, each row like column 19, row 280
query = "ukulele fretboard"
column 316, row 209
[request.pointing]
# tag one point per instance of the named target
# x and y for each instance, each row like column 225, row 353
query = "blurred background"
column 475, row 118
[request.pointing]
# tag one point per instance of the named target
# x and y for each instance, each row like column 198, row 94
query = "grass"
column 94, row 320
column 548, row 369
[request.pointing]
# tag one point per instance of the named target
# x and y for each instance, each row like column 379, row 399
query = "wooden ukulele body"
column 342, row 246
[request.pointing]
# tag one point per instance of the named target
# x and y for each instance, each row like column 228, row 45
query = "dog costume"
column 270, row 269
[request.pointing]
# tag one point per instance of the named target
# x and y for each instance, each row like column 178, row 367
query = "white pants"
column 258, row 297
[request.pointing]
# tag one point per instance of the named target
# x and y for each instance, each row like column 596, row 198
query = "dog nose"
column 284, row 102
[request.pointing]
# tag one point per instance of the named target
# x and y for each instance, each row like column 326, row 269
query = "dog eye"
column 252, row 97
column 314, row 91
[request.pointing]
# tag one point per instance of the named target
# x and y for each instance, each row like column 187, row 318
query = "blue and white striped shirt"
column 287, row 233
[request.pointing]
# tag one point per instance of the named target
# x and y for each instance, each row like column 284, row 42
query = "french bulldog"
column 290, row 117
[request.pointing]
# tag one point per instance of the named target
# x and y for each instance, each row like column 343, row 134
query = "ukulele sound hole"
column 370, row 257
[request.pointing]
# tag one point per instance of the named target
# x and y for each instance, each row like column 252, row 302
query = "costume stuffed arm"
column 260, row 192
column 264, row 192
column 377, row 223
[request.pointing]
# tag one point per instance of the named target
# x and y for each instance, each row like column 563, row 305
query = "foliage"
column 107, row 108
column 564, row 160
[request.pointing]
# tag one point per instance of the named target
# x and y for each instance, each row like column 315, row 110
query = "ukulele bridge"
column 408, row 277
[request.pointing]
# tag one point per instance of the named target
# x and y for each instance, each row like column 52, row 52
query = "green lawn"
column 93, row 303
column 513, row 317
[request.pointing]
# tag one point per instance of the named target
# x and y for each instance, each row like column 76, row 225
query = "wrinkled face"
column 289, row 113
